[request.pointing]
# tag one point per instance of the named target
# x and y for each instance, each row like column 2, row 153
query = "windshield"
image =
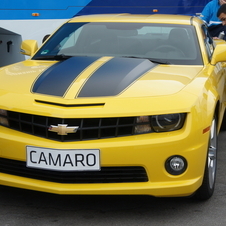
column 170, row 44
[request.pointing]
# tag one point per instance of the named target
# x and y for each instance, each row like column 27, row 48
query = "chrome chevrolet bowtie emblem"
column 63, row 129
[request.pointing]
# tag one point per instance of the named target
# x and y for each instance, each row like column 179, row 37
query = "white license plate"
column 63, row 160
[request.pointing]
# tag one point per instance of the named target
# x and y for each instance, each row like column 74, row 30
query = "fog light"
column 176, row 165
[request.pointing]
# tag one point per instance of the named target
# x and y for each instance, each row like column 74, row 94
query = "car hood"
column 89, row 77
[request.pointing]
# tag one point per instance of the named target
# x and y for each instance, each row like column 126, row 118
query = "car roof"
column 138, row 18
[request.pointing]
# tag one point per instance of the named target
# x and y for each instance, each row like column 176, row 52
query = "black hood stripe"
column 115, row 76
column 56, row 79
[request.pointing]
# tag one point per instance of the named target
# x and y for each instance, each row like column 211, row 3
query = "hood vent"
column 71, row 105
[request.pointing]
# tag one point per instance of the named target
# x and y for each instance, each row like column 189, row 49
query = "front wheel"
column 207, row 188
column 223, row 124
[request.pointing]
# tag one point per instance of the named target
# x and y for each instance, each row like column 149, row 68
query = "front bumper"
column 149, row 151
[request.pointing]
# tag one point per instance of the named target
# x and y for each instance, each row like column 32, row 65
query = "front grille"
column 105, row 175
column 89, row 128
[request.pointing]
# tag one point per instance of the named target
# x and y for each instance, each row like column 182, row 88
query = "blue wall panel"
column 63, row 9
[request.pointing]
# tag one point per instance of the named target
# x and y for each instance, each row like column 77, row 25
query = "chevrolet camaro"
column 115, row 105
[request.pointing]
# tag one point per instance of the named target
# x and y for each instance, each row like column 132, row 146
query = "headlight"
column 168, row 122
column 159, row 123
column 3, row 118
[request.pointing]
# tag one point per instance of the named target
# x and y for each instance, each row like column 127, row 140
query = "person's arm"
column 206, row 13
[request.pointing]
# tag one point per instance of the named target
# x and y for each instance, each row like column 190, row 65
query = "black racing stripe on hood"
column 56, row 79
column 115, row 76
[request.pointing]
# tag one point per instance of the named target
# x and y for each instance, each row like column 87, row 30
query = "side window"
column 208, row 41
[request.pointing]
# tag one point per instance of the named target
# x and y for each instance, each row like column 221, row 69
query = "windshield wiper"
column 55, row 57
column 62, row 57
column 157, row 61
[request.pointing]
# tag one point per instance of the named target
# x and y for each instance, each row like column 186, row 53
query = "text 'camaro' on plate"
column 115, row 104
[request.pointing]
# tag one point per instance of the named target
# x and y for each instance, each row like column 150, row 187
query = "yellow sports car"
column 115, row 104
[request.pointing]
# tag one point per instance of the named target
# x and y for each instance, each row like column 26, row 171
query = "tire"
column 207, row 188
column 223, row 124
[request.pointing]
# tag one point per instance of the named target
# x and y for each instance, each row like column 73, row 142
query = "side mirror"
column 219, row 54
column 29, row 47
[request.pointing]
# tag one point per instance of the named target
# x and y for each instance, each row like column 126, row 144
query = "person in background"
column 221, row 14
column 209, row 15
column 45, row 37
